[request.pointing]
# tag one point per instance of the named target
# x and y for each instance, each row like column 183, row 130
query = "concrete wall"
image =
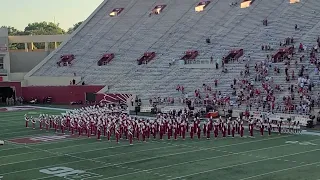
column 4, row 43
column 3, row 40
column 16, row 76
column 198, row 64
column 25, row 61
column 4, row 32
column 50, row 81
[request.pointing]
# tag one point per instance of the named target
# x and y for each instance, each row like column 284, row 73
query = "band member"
column 208, row 132
column 198, row 131
column 183, row 130
column 261, row 128
column 47, row 122
column 216, row 129
column 55, row 125
column 233, row 128
column 175, row 131
column 33, row 122
column 72, row 125
column 241, row 129
column 88, row 129
column 224, row 129
column 229, row 126
column 118, row 133
column 62, row 126
column 251, row 128
column 161, row 131
column 80, row 127
column 26, row 118
column 169, row 132
column 279, row 127
column 40, row 122
column 191, row 131
column 130, row 133
column 269, row 128
column 109, row 131
column 99, row 132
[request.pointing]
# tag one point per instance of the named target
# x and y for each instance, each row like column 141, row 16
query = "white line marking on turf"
column 166, row 166
column 251, row 162
column 246, row 142
column 187, row 162
column 281, row 170
column 12, row 155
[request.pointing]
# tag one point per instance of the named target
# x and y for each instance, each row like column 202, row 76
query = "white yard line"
column 12, row 155
column 231, row 153
column 251, row 162
column 193, row 161
column 140, row 160
column 111, row 147
column 121, row 164
column 281, row 170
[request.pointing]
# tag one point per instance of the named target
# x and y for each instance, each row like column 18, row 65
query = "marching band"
column 107, row 121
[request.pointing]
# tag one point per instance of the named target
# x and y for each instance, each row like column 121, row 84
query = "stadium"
column 165, row 90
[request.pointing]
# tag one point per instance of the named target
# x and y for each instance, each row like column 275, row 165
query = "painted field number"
column 69, row 173
column 305, row 143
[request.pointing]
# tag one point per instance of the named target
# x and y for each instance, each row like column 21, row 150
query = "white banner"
column 3, row 48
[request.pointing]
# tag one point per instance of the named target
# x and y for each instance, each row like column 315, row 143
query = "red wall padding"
column 59, row 94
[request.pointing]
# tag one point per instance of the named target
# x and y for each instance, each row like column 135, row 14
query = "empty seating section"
column 166, row 31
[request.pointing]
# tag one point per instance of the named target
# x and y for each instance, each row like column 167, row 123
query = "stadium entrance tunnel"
column 6, row 92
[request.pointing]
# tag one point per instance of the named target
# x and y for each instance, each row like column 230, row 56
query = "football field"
column 39, row 155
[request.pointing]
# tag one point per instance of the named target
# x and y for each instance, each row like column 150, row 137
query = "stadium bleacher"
column 173, row 30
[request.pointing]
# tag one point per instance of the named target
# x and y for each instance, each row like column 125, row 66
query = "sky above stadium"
column 18, row 13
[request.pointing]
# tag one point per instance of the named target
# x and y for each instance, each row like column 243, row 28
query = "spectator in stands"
column 296, row 27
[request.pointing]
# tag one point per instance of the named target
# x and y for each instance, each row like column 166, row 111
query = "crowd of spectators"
column 255, row 88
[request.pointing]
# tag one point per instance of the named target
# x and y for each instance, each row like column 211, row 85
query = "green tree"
column 75, row 26
column 43, row 28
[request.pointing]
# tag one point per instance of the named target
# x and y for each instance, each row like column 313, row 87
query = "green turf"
column 259, row 158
